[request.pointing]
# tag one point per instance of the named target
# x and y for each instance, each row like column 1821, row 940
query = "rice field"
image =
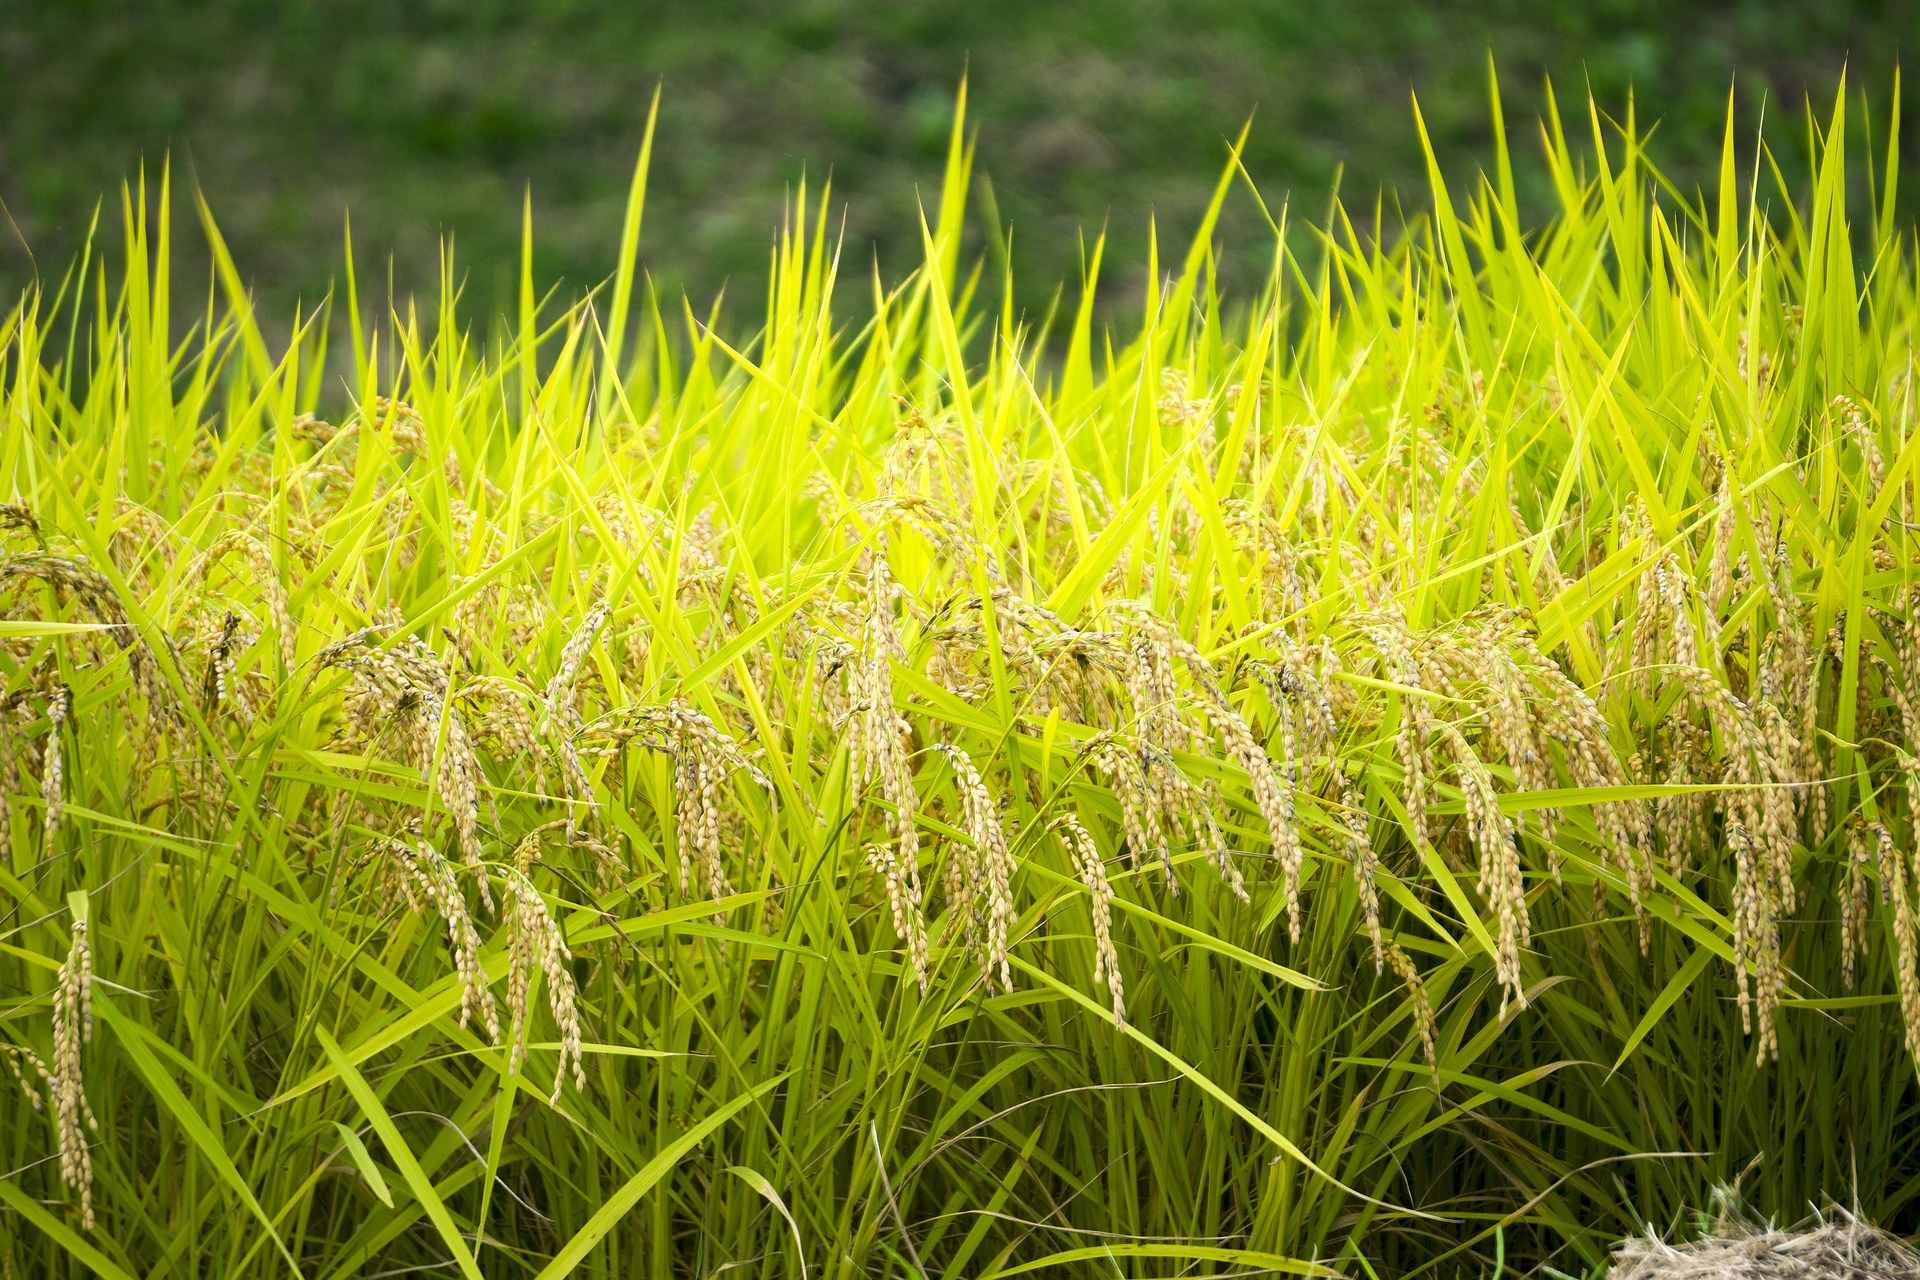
column 1407, row 773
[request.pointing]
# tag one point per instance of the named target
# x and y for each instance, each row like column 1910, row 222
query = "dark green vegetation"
column 432, row 116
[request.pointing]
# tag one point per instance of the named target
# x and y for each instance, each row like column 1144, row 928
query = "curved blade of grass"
column 28, row 628
column 1205, row 1083
column 401, row 1154
column 168, row 1093
column 1251, row 1258
column 1675, row 988
column 59, row 1232
column 608, row 1215
column 760, row 1183
column 363, row 1161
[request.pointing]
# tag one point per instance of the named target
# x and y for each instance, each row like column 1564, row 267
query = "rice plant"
column 1416, row 763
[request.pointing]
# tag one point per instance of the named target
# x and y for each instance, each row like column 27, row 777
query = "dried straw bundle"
column 1844, row 1248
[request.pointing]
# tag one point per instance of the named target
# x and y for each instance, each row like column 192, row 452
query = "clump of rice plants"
column 1318, row 782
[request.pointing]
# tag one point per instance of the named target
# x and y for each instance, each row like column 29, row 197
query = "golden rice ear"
column 878, row 743
column 1852, row 894
column 561, row 719
column 36, row 1094
column 1422, row 1010
column 1088, row 865
column 434, row 881
column 1499, row 857
column 1899, row 884
column 1365, row 865
column 72, row 1029
column 903, row 898
column 534, row 941
column 991, row 869
column 53, row 783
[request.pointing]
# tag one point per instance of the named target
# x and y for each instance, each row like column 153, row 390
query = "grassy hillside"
column 1406, row 766
column 425, row 118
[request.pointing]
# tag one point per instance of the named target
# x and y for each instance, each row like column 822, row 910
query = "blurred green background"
column 428, row 116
